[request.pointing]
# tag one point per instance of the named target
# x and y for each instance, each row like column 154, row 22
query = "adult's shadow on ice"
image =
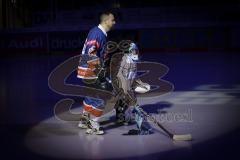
column 157, row 107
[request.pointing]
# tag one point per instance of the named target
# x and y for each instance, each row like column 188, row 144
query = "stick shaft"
column 156, row 122
column 163, row 128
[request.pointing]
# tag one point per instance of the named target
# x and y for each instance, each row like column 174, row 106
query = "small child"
column 126, row 83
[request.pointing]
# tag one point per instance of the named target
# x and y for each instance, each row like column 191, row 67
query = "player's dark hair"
column 103, row 15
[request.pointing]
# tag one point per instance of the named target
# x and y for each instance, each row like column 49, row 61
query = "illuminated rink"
column 194, row 45
column 207, row 112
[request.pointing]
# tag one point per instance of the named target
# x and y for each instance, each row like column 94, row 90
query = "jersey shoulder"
column 95, row 32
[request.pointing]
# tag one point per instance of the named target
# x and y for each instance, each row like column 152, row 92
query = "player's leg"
column 133, row 113
column 141, row 121
column 83, row 123
column 95, row 110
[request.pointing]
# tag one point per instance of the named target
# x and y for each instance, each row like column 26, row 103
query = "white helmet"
column 134, row 52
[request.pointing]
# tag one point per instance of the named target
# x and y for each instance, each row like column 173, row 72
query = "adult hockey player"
column 92, row 58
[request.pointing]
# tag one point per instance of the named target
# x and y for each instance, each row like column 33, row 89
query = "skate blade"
column 82, row 127
column 91, row 132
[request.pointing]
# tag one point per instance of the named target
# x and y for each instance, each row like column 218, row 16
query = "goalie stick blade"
column 184, row 137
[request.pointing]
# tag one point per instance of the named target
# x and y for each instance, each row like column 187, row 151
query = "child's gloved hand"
column 141, row 87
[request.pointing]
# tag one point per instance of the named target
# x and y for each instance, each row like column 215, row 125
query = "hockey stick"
column 176, row 137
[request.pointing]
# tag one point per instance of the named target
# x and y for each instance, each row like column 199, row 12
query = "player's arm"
column 92, row 45
column 89, row 62
column 124, row 82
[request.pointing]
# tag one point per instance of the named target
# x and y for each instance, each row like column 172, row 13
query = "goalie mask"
column 134, row 52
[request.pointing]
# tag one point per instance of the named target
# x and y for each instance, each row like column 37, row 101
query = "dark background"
column 198, row 40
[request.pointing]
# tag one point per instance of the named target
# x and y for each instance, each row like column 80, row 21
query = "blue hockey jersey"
column 95, row 42
column 92, row 54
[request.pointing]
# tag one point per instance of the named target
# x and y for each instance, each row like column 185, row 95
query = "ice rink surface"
column 204, row 114
column 204, row 102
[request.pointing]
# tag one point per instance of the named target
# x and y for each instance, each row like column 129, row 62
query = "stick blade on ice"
column 184, row 137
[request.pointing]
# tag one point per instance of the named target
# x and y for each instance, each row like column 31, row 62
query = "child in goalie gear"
column 125, row 83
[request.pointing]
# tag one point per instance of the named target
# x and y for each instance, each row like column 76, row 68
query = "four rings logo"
column 152, row 74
